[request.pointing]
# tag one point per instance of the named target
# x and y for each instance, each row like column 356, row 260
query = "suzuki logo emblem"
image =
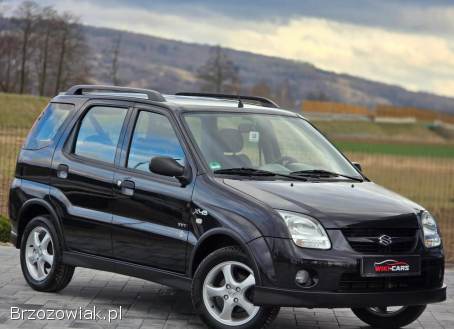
column 385, row 240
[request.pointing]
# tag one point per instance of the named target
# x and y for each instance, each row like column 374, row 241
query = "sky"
column 404, row 42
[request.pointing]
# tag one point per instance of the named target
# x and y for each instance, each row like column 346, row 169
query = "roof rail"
column 261, row 100
column 123, row 91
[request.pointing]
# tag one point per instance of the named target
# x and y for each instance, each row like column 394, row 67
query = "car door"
column 151, row 212
column 83, row 174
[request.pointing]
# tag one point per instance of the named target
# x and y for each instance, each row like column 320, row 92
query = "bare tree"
column 46, row 28
column 9, row 65
column 41, row 51
column 219, row 73
column 115, row 54
column 9, row 53
column 27, row 17
column 72, row 53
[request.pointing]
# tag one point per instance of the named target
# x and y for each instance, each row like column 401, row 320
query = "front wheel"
column 389, row 317
column 221, row 292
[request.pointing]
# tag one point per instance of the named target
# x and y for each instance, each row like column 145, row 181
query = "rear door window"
column 99, row 133
column 47, row 125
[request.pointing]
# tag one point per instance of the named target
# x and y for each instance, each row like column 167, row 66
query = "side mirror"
column 167, row 166
column 357, row 166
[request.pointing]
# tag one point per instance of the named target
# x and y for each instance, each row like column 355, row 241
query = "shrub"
column 4, row 229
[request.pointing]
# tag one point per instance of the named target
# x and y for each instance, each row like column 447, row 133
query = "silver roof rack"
column 151, row 95
column 256, row 100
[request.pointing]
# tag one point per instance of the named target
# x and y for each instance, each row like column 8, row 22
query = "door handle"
column 126, row 187
column 62, row 171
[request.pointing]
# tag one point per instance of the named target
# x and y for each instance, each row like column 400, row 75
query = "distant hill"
column 170, row 66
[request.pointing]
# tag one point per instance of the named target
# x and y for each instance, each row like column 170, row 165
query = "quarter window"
column 47, row 125
column 153, row 136
column 99, row 133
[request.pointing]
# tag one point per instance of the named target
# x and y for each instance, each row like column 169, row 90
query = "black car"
column 244, row 204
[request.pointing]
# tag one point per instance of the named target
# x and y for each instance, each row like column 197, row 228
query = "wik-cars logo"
column 391, row 265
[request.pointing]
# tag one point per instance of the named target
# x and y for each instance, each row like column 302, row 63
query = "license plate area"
column 387, row 266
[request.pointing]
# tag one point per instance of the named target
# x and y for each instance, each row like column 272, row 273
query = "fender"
column 54, row 217
column 234, row 236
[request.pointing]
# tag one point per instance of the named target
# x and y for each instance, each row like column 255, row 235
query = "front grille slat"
column 366, row 240
column 354, row 282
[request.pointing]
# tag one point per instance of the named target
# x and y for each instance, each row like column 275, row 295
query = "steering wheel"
column 286, row 160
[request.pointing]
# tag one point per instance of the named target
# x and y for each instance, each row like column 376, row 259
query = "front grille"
column 431, row 277
column 368, row 240
column 355, row 283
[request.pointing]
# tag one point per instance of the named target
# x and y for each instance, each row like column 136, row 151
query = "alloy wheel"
column 39, row 253
column 226, row 293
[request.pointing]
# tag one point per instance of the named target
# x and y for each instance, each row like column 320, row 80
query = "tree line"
column 42, row 51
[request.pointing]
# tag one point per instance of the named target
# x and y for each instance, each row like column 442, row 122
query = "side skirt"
column 166, row 278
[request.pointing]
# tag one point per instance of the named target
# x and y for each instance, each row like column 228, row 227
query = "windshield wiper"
column 323, row 173
column 254, row 172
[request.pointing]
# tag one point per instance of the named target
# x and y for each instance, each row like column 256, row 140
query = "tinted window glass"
column 281, row 144
column 153, row 136
column 99, row 133
column 47, row 125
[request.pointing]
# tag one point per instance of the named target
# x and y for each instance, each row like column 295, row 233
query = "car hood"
column 336, row 204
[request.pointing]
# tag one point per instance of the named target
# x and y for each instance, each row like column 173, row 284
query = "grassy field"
column 398, row 149
column 417, row 132
column 18, row 111
column 410, row 159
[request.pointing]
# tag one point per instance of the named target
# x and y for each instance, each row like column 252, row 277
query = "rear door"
column 151, row 212
column 83, row 173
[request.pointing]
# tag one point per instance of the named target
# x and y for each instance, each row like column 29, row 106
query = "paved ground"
column 149, row 305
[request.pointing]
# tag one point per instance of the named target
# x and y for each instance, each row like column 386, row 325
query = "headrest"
column 231, row 140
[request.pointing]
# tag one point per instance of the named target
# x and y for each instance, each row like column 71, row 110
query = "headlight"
column 306, row 232
column 429, row 226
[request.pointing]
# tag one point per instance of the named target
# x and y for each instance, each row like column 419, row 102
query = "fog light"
column 303, row 277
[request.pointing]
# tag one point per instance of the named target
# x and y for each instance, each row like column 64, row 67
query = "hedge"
column 4, row 229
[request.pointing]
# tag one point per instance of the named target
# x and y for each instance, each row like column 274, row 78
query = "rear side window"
column 47, row 125
column 99, row 133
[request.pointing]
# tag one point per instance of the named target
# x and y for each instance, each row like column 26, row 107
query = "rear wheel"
column 222, row 289
column 389, row 317
column 41, row 257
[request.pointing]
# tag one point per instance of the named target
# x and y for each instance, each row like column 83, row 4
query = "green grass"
column 20, row 111
column 4, row 229
column 401, row 149
column 417, row 132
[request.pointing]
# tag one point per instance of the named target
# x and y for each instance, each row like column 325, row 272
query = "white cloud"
column 418, row 61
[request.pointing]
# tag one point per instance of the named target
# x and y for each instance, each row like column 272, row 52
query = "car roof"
column 178, row 103
column 198, row 104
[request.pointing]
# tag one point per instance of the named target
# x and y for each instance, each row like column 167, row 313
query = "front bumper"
column 310, row 299
column 339, row 281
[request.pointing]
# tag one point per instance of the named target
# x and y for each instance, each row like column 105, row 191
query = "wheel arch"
column 215, row 239
column 31, row 209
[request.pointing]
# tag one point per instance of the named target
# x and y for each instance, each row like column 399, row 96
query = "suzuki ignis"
column 246, row 205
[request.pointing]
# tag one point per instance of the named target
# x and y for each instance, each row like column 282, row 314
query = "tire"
column 41, row 261
column 209, row 303
column 380, row 319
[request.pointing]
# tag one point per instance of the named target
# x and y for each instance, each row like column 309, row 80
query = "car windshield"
column 275, row 143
